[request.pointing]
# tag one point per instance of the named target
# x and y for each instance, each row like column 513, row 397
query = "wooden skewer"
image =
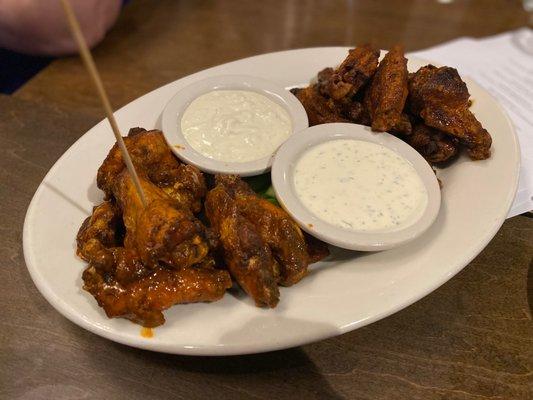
column 93, row 72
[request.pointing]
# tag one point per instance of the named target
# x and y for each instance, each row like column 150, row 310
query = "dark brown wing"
column 316, row 249
column 275, row 226
column 463, row 125
column 386, row 95
column 247, row 256
column 441, row 99
column 319, row 109
column 358, row 67
column 435, row 146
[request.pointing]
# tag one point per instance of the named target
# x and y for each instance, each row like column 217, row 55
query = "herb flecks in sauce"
column 359, row 186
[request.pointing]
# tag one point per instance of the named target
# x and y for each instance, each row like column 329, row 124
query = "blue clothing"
column 16, row 68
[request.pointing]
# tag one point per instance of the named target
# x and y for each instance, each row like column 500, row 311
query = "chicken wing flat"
column 440, row 97
column 275, row 226
column 154, row 160
column 386, row 95
column 163, row 231
column 358, row 67
column 247, row 256
column 142, row 300
column 435, row 146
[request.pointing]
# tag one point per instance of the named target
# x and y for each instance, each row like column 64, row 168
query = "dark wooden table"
column 470, row 339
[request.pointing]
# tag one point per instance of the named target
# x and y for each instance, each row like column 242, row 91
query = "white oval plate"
column 343, row 293
column 173, row 113
column 282, row 182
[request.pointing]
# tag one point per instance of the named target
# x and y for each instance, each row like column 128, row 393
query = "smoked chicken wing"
column 433, row 145
column 331, row 99
column 358, row 67
column 440, row 97
column 386, row 95
column 319, row 109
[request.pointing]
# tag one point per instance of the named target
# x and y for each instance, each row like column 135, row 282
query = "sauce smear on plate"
column 147, row 333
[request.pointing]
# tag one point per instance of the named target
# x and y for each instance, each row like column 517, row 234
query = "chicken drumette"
column 143, row 299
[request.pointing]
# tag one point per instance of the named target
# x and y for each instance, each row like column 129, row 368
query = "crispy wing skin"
column 331, row 99
column 245, row 253
column 435, row 146
column 404, row 127
column 102, row 229
column 441, row 99
column 277, row 229
column 386, row 95
column 462, row 124
column 163, row 231
column 323, row 81
column 316, row 249
column 144, row 259
column 143, row 300
column 432, row 86
column 358, row 67
column 319, row 109
column 154, row 160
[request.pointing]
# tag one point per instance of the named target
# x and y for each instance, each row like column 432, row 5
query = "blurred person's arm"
column 39, row 27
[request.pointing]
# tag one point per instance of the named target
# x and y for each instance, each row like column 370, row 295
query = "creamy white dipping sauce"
column 235, row 125
column 359, row 185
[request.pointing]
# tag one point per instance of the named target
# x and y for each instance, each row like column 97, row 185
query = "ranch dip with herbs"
column 235, row 125
column 359, row 186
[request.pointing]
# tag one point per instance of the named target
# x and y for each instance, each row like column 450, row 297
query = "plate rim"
column 225, row 349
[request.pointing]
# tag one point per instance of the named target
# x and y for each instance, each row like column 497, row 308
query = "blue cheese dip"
column 235, row 125
column 359, row 186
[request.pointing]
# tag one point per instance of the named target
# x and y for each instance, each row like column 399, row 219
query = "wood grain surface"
column 156, row 42
column 470, row 339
